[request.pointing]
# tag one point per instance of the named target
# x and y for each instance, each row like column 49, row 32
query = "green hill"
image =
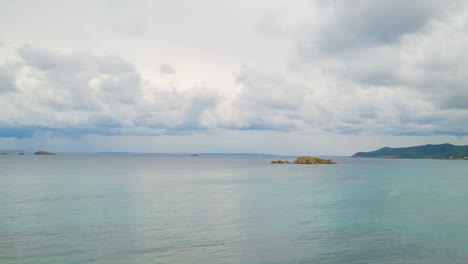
column 443, row 151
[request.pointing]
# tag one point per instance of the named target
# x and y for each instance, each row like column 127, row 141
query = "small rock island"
column 40, row 152
column 305, row 160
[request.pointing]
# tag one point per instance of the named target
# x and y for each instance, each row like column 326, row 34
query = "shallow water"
column 128, row 208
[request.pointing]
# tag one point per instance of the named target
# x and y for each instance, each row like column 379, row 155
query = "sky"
column 316, row 77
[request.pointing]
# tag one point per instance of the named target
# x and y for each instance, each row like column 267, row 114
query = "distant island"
column 40, row 152
column 305, row 160
column 442, row 151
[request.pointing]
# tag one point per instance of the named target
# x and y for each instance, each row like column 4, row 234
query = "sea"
column 155, row 208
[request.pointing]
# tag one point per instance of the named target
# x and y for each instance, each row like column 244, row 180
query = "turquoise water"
column 103, row 208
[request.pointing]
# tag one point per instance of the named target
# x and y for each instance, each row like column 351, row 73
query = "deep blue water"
column 109, row 208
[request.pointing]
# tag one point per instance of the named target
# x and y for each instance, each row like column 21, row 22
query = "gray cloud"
column 166, row 68
column 358, row 23
column 405, row 65
column 7, row 80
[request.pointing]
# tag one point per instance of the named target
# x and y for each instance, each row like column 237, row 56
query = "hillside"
column 443, row 151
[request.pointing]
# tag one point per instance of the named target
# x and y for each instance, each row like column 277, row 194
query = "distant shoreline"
column 438, row 152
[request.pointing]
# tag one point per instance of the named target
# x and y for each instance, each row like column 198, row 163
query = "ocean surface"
column 141, row 208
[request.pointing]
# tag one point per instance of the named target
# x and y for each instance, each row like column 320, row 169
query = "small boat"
column 194, row 155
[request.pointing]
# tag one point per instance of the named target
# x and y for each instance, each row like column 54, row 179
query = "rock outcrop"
column 40, row 152
column 312, row 160
column 280, row 161
column 305, row 160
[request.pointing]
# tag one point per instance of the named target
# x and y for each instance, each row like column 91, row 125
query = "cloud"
column 128, row 29
column 404, row 65
column 267, row 101
column 7, row 79
column 79, row 80
column 166, row 68
column 353, row 24
column 81, row 93
column 354, row 67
